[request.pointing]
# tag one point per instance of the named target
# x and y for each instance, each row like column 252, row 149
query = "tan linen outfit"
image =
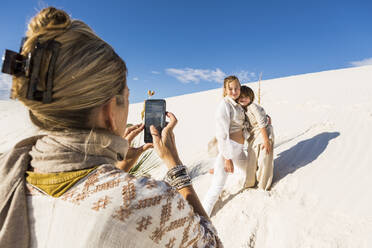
column 261, row 164
column 107, row 208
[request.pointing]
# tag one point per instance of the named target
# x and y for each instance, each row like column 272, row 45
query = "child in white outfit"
column 260, row 142
column 231, row 132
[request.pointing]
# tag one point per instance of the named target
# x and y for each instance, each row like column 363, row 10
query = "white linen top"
column 230, row 118
column 110, row 208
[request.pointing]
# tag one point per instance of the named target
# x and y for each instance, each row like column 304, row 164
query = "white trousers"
column 232, row 182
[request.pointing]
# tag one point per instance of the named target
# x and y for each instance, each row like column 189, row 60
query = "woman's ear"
column 109, row 114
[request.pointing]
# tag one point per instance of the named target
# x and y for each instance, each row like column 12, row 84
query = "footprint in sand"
column 251, row 243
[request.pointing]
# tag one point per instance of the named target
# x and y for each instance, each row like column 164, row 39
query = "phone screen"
column 154, row 115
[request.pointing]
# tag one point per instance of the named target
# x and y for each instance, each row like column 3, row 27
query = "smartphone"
column 154, row 115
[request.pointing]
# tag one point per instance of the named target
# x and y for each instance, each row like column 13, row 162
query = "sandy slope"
column 322, row 193
column 322, row 189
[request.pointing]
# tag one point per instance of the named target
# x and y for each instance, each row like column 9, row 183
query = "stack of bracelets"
column 178, row 177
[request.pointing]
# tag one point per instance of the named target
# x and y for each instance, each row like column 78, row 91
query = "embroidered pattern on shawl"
column 152, row 208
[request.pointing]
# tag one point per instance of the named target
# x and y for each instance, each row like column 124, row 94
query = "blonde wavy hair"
column 87, row 74
column 226, row 82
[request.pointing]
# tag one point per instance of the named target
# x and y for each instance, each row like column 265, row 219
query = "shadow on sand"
column 300, row 155
column 221, row 203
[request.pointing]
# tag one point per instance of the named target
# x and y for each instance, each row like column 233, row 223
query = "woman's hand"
column 229, row 166
column 131, row 132
column 133, row 152
column 132, row 156
column 267, row 146
column 165, row 146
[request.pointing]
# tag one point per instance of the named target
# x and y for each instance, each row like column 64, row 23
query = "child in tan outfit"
column 260, row 142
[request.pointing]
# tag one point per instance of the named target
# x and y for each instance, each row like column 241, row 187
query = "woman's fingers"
column 172, row 121
column 165, row 145
column 147, row 146
column 155, row 135
column 130, row 129
column 133, row 131
column 143, row 148
column 139, row 129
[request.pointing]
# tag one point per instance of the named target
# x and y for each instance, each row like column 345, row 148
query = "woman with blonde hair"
column 231, row 132
column 64, row 188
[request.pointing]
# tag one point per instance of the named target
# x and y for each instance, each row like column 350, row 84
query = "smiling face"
column 244, row 100
column 232, row 89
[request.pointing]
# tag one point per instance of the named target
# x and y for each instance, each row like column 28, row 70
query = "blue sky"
column 177, row 47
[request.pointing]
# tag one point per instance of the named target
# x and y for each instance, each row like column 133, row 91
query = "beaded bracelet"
column 178, row 177
column 176, row 171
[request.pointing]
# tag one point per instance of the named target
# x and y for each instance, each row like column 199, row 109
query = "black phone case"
column 148, row 103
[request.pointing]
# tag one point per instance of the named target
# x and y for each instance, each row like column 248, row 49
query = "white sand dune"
column 322, row 190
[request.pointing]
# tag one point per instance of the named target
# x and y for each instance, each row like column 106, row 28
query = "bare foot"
column 211, row 171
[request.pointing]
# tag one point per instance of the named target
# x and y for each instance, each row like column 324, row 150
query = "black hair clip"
column 15, row 63
column 45, row 96
column 29, row 66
